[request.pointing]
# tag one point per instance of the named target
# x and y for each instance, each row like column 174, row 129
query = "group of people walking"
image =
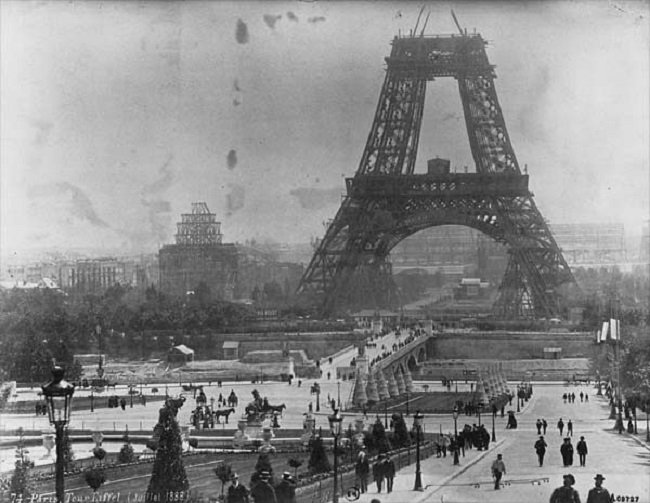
column 263, row 491
column 382, row 469
column 567, row 494
column 571, row 397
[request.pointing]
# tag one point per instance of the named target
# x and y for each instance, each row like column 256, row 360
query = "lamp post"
column 417, row 424
column 58, row 396
column 318, row 398
column 335, row 421
column 92, row 400
column 338, row 394
column 647, row 430
column 407, row 403
column 455, row 414
column 386, row 413
column 478, row 410
column 494, row 413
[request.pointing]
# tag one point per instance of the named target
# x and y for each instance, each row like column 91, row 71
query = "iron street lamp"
column 58, row 397
column 494, row 414
column 478, row 410
column 386, row 413
column 407, row 403
column 417, row 424
column 455, row 414
column 647, row 428
column 335, row 421
column 318, row 398
column 92, row 400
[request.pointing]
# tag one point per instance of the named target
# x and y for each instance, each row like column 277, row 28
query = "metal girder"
column 386, row 202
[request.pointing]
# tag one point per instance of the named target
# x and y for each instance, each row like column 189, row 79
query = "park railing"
column 321, row 489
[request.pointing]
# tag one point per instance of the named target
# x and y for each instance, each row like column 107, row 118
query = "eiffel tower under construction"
column 386, row 202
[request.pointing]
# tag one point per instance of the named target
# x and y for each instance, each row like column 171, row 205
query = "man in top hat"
column 581, row 447
column 237, row 493
column 540, row 449
column 566, row 493
column 285, row 491
column 598, row 494
column 263, row 492
column 389, row 472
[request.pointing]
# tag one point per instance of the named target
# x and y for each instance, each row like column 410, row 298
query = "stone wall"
column 509, row 345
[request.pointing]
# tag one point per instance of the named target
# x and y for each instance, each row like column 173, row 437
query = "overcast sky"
column 116, row 116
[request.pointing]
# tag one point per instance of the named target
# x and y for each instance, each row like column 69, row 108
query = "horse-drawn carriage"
column 259, row 409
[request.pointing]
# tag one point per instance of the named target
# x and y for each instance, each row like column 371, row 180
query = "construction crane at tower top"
column 386, row 202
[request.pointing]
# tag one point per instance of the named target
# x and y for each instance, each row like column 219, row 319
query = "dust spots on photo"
column 311, row 198
column 237, row 93
column 292, row 17
column 270, row 20
column 241, row 32
column 236, row 199
column 42, row 130
column 231, row 159
column 316, row 19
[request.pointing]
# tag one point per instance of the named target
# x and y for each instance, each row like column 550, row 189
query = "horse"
column 275, row 408
column 225, row 413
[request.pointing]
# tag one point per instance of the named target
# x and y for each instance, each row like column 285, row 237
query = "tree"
column 168, row 477
column 263, row 465
column 295, row 464
column 21, row 485
column 318, row 461
column 379, row 437
column 94, row 477
column 401, row 436
column 126, row 454
column 224, row 474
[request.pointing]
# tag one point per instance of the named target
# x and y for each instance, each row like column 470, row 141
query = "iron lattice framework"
column 198, row 228
column 386, row 202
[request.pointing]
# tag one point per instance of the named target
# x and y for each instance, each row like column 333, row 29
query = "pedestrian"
column 564, row 397
column 538, row 424
column 566, row 450
column 498, row 471
column 540, row 449
column 599, row 494
column 263, row 491
column 237, row 493
column 569, row 428
column 630, row 426
column 378, row 472
column 560, row 426
column 123, row 403
column 582, row 395
column 566, row 493
column 573, row 398
column 361, row 469
column 544, row 425
column 389, row 473
column 581, row 447
column 285, row 491
column 586, row 397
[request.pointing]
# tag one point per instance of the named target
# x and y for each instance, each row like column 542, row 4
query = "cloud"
column 159, row 208
column 232, row 159
column 270, row 20
column 292, row 17
column 311, row 198
column 241, row 33
column 316, row 19
column 235, row 200
column 79, row 204
column 165, row 180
